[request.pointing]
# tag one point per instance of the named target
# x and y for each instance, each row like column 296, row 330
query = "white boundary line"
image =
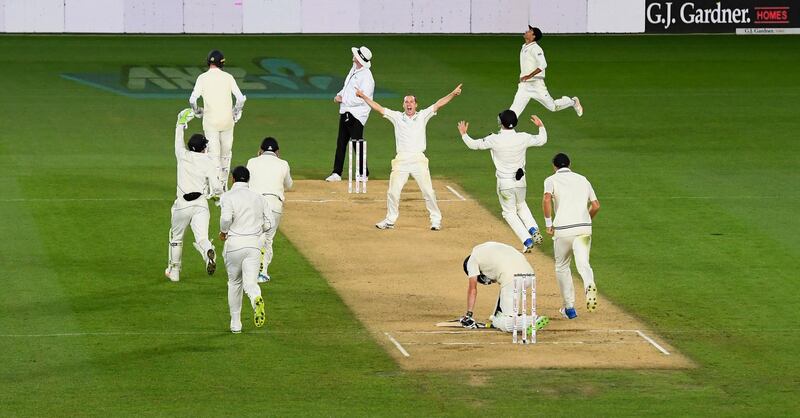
column 453, row 191
column 397, row 344
column 655, row 344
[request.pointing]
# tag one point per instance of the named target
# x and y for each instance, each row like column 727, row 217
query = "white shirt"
column 216, row 87
column 245, row 216
column 269, row 175
column 571, row 193
column 197, row 172
column 498, row 262
column 357, row 79
column 508, row 149
column 409, row 132
column 531, row 57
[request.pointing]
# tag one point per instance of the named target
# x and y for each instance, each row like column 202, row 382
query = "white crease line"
column 111, row 334
column 453, row 191
column 655, row 344
column 364, row 200
column 397, row 344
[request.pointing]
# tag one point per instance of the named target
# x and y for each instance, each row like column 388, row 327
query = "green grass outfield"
column 691, row 143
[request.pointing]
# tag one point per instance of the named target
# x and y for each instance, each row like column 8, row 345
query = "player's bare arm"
column 373, row 104
column 337, row 99
column 446, row 99
column 531, row 75
column 463, row 127
column 594, row 207
column 536, row 121
column 472, row 293
column 547, row 211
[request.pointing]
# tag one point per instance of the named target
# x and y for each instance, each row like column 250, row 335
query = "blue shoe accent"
column 527, row 245
column 570, row 313
column 532, row 230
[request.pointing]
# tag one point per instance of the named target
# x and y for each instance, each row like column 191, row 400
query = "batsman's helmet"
column 241, row 174
column 269, row 144
column 215, row 57
column 197, row 143
column 507, row 118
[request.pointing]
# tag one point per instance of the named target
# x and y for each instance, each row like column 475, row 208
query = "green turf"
column 690, row 142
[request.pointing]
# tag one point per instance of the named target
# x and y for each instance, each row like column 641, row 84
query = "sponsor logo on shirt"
column 276, row 78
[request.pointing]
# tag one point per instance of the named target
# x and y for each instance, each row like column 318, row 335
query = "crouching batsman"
column 493, row 262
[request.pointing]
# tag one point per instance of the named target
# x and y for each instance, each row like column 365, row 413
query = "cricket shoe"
column 540, row 323
column 260, row 314
column 211, row 262
column 385, row 224
column 536, row 236
column 577, row 106
column 334, row 177
column 184, row 116
column 591, row 298
column 263, row 278
column 527, row 245
column 436, row 227
column 568, row 313
column 173, row 274
column 236, row 327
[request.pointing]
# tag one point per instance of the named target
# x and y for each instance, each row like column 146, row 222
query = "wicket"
column 521, row 283
column 361, row 165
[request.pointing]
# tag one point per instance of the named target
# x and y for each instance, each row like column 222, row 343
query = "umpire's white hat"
column 363, row 55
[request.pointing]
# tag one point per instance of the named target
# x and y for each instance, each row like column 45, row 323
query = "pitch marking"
column 397, row 344
column 453, row 191
column 655, row 344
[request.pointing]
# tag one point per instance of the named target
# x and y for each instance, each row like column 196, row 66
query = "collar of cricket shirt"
column 240, row 185
column 563, row 170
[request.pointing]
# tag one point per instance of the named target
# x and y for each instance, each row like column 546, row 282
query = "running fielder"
column 269, row 177
column 218, row 112
column 576, row 205
column 197, row 181
column 493, row 262
column 410, row 142
column 508, row 149
column 532, row 67
column 245, row 217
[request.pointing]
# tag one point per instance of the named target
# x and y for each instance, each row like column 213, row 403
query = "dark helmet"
column 269, row 144
column 561, row 160
column 215, row 57
column 508, row 119
column 197, row 143
column 241, row 174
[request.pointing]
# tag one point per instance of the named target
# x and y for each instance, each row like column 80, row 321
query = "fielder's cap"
column 241, row 174
column 269, row 144
column 537, row 33
column 363, row 55
column 197, row 143
column 507, row 118
column 215, row 57
column 561, row 160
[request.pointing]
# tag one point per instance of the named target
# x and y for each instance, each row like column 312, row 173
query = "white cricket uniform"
column 269, row 177
column 357, row 78
column 500, row 263
column 245, row 217
column 508, row 149
column 196, row 174
column 572, row 227
column 410, row 143
column 531, row 57
column 216, row 87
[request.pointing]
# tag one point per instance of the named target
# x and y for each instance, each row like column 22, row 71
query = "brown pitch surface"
column 401, row 282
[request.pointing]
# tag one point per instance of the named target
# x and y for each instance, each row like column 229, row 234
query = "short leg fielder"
column 537, row 90
column 242, row 266
column 564, row 248
column 416, row 166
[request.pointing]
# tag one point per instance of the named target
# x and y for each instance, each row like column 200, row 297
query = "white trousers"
column 564, row 248
column 185, row 214
column 242, row 266
column 416, row 165
column 516, row 212
column 537, row 90
column 503, row 317
column 220, row 146
column 276, row 206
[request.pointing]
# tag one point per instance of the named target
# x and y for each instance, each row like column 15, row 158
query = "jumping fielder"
column 532, row 66
column 410, row 142
column 197, row 180
column 493, row 262
column 245, row 217
column 269, row 176
column 576, row 205
column 218, row 112
column 508, row 149
column 353, row 112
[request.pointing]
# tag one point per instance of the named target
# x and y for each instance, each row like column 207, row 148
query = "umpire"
column 353, row 111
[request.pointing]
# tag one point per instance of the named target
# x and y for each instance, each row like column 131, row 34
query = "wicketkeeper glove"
column 184, row 117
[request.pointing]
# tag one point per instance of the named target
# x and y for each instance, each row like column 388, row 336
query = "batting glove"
column 237, row 114
column 467, row 321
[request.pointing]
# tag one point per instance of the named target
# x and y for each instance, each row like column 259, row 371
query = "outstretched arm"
column 476, row 144
column 446, row 99
column 373, row 104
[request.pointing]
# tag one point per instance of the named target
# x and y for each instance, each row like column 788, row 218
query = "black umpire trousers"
column 349, row 128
